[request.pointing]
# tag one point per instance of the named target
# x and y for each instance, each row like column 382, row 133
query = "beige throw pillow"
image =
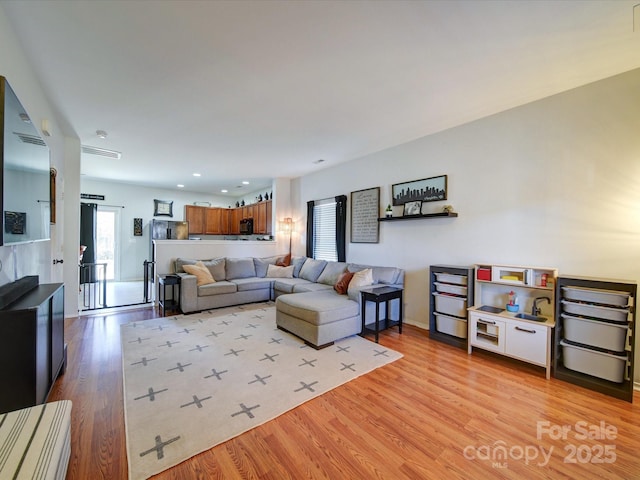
column 202, row 273
column 273, row 271
column 362, row 278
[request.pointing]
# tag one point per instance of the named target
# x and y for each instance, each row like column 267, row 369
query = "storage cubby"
column 451, row 291
column 595, row 331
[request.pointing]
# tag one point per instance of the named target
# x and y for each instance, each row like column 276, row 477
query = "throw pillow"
column 202, row 273
column 284, row 261
column 363, row 278
column 342, row 284
column 274, row 271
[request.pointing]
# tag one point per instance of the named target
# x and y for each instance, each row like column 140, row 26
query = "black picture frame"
column 162, row 208
column 432, row 189
column 137, row 227
column 365, row 210
column 412, row 209
column 15, row 222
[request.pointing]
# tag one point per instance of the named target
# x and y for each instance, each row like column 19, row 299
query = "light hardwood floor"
column 436, row 413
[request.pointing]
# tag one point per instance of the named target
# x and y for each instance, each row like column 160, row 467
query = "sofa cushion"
column 310, row 287
column 387, row 275
column 202, row 273
column 332, row 272
column 317, row 308
column 261, row 265
column 297, row 263
column 217, row 288
column 217, row 268
column 275, row 271
column 342, row 284
column 253, row 283
column 286, row 285
column 240, row 268
column 180, row 262
column 312, row 269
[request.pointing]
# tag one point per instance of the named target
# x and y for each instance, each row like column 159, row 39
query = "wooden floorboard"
column 436, row 413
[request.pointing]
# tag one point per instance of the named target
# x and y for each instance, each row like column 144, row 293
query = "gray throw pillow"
column 312, row 269
column 297, row 263
column 240, row 268
column 217, row 268
column 262, row 264
column 332, row 272
column 179, row 262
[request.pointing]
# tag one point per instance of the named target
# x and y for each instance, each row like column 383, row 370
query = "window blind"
column 324, row 233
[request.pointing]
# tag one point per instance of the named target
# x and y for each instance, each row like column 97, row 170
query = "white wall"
column 553, row 183
column 33, row 258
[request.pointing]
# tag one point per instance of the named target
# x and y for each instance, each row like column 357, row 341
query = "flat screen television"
column 25, row 174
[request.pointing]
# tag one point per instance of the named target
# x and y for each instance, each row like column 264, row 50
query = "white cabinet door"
column 487, row 332
column 527, row 342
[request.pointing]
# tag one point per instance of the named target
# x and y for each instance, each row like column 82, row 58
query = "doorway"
column 106, row 287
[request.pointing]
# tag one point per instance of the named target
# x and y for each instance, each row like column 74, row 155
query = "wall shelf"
column 418, row 217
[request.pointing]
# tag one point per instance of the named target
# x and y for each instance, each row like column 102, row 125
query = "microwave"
column 246, row 226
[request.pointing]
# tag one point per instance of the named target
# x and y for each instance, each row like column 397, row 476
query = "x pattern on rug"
column 192, row 382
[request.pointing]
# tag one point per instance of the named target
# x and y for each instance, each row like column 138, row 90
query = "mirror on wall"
column 25, row 199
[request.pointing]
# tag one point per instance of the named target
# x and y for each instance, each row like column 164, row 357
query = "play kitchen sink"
column 526, row 316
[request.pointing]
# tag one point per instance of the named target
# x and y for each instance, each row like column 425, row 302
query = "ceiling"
column 251, row 90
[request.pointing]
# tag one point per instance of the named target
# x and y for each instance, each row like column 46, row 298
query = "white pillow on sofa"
column 363, row 278
column 274, row 271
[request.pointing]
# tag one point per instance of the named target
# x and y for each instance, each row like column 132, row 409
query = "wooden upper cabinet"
column 262, row 217
column 196, row 216
column 225, row 219
column 213, row 225
column 234, row 221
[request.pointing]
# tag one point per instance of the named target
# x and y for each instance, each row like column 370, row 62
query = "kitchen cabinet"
column 217, row 221
column 519, row 333
column 33, row 352
column 196, row 216
column 234, row 221
column 595, row 341
column 451, row 289
column 262, row 217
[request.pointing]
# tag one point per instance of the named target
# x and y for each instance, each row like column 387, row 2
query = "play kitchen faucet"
column 535, row 311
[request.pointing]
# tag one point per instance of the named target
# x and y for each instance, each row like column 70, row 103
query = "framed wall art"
column 426, row 190
column 412, row 208
column 137, row 227
column 365, row 209
column 162, row 208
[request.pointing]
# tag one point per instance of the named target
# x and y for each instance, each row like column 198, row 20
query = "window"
column 326, row 227
column 324, row 230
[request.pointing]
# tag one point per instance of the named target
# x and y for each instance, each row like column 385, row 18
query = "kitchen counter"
column 550, row 322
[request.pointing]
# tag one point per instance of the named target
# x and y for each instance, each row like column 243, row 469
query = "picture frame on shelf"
column 162, row 208
column 431, row 189
column 412, row 209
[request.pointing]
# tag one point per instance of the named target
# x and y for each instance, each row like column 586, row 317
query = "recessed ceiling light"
column 196, row 174
column 244, row 182
column 224, row 190
column 180, row 185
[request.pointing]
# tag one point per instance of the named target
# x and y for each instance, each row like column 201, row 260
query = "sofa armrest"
column 188, row 292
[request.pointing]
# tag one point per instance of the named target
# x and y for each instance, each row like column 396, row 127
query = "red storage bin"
column 484, row 273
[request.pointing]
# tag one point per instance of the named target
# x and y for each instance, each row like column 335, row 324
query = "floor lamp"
column 287, row 226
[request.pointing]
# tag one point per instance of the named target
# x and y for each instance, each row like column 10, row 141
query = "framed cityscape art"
column 426, row 190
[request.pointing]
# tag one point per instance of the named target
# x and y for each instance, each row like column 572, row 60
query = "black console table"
column 380, row 295
column 33, row 350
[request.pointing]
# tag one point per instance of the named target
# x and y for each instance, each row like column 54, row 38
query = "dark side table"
column 381, row 295
column 168, row 304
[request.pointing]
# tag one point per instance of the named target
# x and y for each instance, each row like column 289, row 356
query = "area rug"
column 194, row 381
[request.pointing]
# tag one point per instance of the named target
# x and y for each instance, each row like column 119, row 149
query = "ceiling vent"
column 32, row 139
column 102, row 152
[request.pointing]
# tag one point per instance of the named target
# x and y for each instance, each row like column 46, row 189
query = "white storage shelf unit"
column 451, row 291
column 595, row 334
column 492, row 327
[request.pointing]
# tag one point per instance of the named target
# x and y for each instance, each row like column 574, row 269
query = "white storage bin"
column 451, row 304
column 449, row 288
column 451, row 278
column 596, row 311
column 598, row 364
column 451, row 326
column 605, row 297
column 611, row 336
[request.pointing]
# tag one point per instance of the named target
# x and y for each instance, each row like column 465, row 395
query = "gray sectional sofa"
column 307, row 303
